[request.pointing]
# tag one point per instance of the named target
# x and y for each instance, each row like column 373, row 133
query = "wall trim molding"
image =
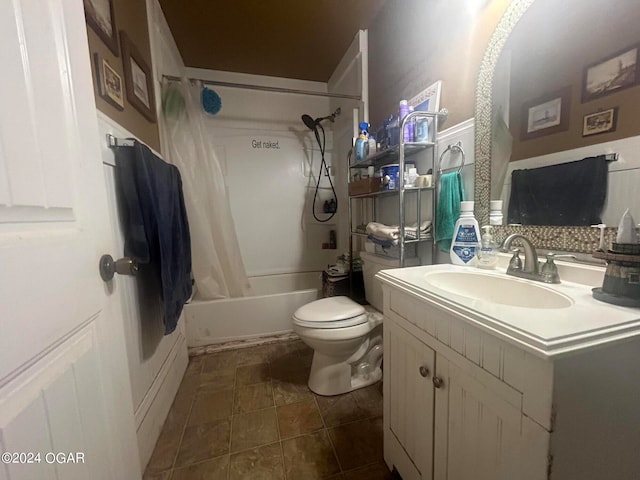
column 155, row 406
column 456, row 129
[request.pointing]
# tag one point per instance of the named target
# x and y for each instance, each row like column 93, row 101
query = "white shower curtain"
column 218, row 268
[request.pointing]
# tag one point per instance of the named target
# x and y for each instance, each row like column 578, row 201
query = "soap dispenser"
column 488, row 254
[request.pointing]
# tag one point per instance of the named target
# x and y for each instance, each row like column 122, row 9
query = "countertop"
column 585, row 323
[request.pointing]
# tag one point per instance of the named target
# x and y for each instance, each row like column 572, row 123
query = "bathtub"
column 268, row 312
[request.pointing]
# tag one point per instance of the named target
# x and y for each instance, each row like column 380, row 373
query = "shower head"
column 313, row 124
column 309, row 122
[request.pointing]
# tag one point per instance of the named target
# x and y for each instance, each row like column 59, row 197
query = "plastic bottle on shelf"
column 422, row 129
column 372, row 144
column 466, row 233
column 404, row 110
column 362, row 142
column 488, row 254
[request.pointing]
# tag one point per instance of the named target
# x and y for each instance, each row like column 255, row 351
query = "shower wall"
column 270, row 162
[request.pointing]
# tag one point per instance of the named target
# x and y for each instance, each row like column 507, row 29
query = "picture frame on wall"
column 602, row 121
column 110, row 85
column 428, row 100
column 101, row 18
column 138, row 79
column 546, row 115
column 611, row 74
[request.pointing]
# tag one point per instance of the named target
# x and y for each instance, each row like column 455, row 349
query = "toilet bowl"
column 347, row 344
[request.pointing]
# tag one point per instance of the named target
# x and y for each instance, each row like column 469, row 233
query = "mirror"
column 546, row 49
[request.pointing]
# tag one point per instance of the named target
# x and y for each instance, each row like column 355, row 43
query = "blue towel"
column 155, row 224
column 448, row 208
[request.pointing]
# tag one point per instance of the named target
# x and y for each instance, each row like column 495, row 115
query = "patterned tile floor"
column 248, row 414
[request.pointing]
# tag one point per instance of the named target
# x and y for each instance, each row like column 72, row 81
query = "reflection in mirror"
column 566, row 88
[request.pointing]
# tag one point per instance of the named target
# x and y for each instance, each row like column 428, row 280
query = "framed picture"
column 137, row 79
column 600, row 122
column 546, row 115
column 611, row 74
column 427, row 100
column 110, row 86
column 100, row 17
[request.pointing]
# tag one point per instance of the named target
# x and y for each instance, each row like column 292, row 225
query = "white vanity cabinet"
column 461, row 403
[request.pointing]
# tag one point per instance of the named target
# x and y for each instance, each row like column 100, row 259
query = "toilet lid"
column 332, row 312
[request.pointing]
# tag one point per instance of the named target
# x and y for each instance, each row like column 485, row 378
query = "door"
column 65, row 399
column 477, row 434
column 408, row 402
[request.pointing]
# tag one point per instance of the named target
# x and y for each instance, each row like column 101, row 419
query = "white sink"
column 498, row 289
column 548, row 320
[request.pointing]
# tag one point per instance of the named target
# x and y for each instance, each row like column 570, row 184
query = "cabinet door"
column 408, row 397
column 478, row 435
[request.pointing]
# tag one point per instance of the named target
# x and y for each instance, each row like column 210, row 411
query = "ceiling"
column 284, row 38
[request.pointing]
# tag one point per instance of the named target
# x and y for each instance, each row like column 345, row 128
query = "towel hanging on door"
column 155, row 224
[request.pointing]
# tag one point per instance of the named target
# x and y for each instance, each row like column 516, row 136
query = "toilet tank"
column 372, row 264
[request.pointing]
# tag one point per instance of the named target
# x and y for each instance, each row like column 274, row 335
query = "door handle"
column 424, row 371
column 124, row 266
column 437, row 382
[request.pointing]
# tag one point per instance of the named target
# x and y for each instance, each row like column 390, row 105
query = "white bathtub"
column 266, row 313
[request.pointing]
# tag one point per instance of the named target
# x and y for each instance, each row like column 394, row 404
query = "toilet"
column 347, row 344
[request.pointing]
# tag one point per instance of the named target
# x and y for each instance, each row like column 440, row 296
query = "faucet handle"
column 550, row 269
column 515, row 264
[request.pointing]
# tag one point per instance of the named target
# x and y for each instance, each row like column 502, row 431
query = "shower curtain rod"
column 264, row 88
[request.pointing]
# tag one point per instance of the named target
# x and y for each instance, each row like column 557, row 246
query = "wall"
column 549, row 53
column 131, row 17
column 413, row 43
column 271, row 189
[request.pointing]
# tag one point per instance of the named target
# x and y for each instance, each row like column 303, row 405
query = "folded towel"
column 411, row 231
column 385, row 233
column 382, row 231
column 383, row 242
column 448, row 208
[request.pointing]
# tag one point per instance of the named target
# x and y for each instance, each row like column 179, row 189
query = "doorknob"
column 424, row 371
column 123, row 266
column 437, row 382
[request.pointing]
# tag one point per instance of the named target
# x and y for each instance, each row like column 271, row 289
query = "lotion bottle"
column 465, row 243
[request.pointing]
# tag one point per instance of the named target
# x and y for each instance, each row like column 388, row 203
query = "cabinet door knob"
column 424, row 371
column 437, row 382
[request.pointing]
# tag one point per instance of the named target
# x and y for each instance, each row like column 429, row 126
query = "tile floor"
column 248, row 414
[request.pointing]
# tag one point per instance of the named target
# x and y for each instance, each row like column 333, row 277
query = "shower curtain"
column 218, row 268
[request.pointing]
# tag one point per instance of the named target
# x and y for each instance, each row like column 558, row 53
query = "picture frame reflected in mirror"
column 611, row 74
column 546, row 115
column 602, row 121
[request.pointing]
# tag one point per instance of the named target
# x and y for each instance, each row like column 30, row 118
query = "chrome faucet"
column 531, row 269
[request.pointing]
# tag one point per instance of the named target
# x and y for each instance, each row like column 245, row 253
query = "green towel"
column 448, row 208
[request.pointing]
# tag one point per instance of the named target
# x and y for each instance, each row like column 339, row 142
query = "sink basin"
column 497, row 289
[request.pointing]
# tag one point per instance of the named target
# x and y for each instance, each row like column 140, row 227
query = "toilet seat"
column 332, row 312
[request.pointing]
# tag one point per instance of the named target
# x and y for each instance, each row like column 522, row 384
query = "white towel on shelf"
column 382, row 231
column 411, row 231
column 392, row 232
